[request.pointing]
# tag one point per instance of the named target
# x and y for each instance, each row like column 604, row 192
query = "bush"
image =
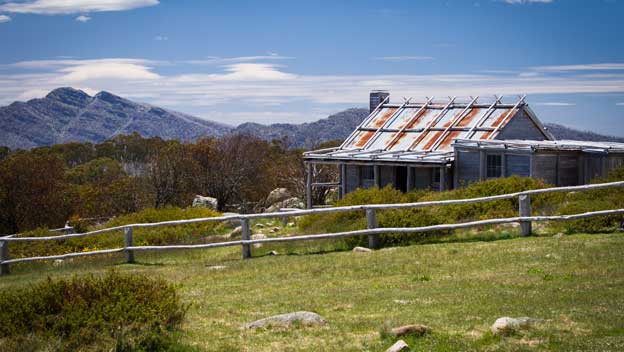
column 181, row 234
column 600, row 199
column 427, row 216
column 101, row 313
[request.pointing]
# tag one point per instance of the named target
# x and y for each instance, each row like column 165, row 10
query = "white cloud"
column 403, row 58
column 65, row 7
column 582, row 67
column 161, row 38
column 619, row 104
column 555, row 103
column 215, row 60
column 4, row 18
column 272, row 89
column 515, row 2
column 83, row 18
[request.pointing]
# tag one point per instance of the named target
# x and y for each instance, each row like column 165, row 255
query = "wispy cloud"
column 619, row 104
column 270, row 87
column 161, row 38
column 4, row 18
column 517, row 2
column 83, row 18
column 403, row 58
column 581, row 67
column 215, row 60
column 66, row 7
column 555, row 103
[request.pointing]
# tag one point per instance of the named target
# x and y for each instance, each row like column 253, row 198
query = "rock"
column 234, row 222
column 236, row 232
column 258, row 236
column 559, row 235
column 217, row 267
column 361, row 250
column 415, row 329
column 274, row 229
column 260, row 226
column 273, row 253
column 398, row 346
column 401, row 301
column 286, row 320
column 58, row 262
column 294, row 203
column 290, row 224
column 205, row 202
column 277, row 195
column 506, row 325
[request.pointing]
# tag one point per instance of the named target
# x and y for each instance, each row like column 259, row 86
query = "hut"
column 443, row 145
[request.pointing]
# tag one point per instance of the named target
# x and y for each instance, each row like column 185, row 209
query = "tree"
column 171, row 174
column 33, row 192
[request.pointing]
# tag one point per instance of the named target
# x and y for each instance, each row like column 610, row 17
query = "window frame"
column 495, row 169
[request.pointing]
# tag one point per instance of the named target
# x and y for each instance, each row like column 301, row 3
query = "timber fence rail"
column 372, row 231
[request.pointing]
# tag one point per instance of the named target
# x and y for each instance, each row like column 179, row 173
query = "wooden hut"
column 441, row 145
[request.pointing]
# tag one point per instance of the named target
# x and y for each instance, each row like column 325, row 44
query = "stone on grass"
column 58, row 262
column 290, row 203
column 274, row 229
column 273, row 253
column 290, row 224
column 559, row 235
column 216, row 267
column 507, row 325
column 260, row 225
column 398, row 346
column 362, row 250
column 205, row 202
column 287, row 320
column 401, row 301
column 412, row 329
column 236, row 232
column 258, row 236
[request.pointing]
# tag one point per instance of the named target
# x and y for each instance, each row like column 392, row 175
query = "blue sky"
column 296, row 61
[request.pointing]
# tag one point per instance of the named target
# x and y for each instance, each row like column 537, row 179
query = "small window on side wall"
column 494, row 165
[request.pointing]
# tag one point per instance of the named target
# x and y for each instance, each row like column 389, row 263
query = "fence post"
column 4, row 255
column 525, row 210
column 128, row 243
column 246, row 234
column 371, row 223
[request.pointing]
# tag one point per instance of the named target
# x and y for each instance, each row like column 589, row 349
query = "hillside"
column 573, row 284
column 71, row 115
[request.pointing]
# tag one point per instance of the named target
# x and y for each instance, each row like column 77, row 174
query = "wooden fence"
column 373, row 231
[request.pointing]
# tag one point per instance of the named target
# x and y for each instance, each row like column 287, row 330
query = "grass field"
column 574, row 283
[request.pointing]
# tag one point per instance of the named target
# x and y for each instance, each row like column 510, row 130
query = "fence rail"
column 525, row 219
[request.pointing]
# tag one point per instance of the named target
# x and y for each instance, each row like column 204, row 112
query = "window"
column 494, row 165
column 367, row 176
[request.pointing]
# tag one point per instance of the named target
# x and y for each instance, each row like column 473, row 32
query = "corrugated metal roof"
column 419, row 131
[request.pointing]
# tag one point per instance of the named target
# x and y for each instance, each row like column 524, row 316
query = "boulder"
column 507, row 325
column 413, row 329
column 362, row 250
column 286, row 320
column 205, row 202
column 398, row 346
column 293, row 203
column 277, row 195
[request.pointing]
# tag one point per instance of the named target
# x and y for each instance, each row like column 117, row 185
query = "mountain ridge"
column 71, row 115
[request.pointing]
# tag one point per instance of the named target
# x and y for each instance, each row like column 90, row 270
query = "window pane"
column 494, row 165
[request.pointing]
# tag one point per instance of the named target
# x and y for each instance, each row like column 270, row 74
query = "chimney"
column 376, row 98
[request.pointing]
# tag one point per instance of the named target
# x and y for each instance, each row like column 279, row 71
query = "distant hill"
column 563, row 132
column 308, row 135
column 71, row 115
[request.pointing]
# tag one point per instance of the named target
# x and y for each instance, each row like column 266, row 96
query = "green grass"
column 575, row 283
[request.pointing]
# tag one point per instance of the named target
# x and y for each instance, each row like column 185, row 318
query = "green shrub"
column 101, row 313
column 600, row 199
column 180, row 234
column 427, row 216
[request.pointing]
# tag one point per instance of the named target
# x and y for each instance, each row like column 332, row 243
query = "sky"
column 297, row 61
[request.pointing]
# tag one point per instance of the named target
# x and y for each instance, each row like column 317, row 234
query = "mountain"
column 563, row 132
column 308, row 135
column 71, row 115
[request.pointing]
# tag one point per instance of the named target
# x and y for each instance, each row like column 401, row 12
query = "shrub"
column 142, row 236
column 600, row 199
column 113, row 311
column 427, row 216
